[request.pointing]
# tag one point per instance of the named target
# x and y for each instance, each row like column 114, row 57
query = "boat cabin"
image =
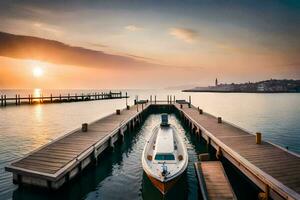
column 164, row 146
column 164, row 120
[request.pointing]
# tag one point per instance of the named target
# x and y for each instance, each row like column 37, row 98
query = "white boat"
column 165, row 156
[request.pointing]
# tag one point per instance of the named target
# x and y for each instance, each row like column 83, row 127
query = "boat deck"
column 274, row 169
column 213, row 181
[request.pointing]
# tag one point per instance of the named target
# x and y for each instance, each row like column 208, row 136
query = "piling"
column 204, row 157
column 16, row 99
column 19, row 100
column 258, row 138
column 219, row 120
column 200, row 111
column 118, row 111
column 84, row 127
column 5, row 100
column 126, row 101
column 51, row 98
column 1, row 100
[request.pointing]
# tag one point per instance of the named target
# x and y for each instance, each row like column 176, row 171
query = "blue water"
column 24, row 128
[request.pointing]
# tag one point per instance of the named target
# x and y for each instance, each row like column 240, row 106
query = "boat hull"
column 163, row 187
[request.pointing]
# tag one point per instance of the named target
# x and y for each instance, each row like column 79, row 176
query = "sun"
column 37, row 72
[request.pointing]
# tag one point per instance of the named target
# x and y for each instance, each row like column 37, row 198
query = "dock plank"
column 213, row 182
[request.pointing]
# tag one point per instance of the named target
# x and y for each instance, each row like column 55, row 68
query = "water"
column 24, row 128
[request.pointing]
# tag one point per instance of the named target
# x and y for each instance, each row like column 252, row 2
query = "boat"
column 165, row 156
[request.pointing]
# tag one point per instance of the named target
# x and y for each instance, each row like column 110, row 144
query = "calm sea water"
column 24, row 128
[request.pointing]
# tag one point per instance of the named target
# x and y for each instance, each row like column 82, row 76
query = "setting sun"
column 37, row 72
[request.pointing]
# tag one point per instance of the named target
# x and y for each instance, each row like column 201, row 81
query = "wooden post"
column 155, row 99
column 128, row 107
column 137, row 103
column 258, row 138
column 118, row 111
column 142, row 106
column 204, row 157
column 151, row 99
column 219, row 153
column 84, row 127
column 68, row 96
column 167, row 99
column 190, row 101
column 5, row 100
column 264, row 195
column 1, row 100
column 219, row 120
column 126, row 101
column 19, row 101
column 51, row 97
column 200, row 111
column 16, row 99
column 29, row 99
column 60, row 97
column 42, row 99
column 174, row 99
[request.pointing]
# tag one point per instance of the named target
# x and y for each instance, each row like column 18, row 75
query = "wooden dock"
column 274, row 170
column 56, row 163
column 31, row 99
column 213, row 181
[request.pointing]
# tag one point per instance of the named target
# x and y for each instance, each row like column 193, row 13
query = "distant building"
column 216, row 82
column 261, row 87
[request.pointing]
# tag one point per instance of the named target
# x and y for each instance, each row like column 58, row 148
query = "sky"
column 147, row 44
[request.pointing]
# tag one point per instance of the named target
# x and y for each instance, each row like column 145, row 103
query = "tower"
column 216, row 82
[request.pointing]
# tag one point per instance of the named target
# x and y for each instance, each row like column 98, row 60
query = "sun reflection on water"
column 37, row 92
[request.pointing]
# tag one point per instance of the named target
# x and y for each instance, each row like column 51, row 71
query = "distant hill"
column 267, row 86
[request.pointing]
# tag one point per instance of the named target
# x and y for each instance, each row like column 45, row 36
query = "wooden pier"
column 56, row 163
column 213, row 181
column 274, row 170
column 31, row 99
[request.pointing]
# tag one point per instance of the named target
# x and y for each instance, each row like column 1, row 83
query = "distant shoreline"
column 267, row 86
column 213, row 91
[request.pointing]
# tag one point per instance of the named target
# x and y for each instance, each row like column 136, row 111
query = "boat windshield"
column 161, row 156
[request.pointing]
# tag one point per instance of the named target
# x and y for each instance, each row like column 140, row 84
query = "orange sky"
column 114, row 45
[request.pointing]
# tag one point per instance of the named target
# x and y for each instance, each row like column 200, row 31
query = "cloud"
column 47, row 28
column 133, row 28
column 185, row 34
column 27, row 47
